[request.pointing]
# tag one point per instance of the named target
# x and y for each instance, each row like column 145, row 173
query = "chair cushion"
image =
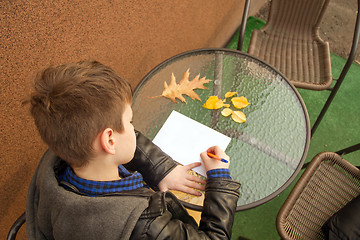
column 344, row 224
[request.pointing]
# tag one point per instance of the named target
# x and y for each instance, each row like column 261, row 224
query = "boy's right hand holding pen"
column 215, row 158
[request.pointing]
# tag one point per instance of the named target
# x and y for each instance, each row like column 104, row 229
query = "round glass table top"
column 268, row 150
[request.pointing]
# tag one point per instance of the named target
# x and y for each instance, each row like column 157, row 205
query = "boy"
column 85, row 187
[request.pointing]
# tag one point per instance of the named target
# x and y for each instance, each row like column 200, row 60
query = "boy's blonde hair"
column 72, row 103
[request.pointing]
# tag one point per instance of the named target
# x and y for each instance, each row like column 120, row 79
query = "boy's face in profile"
column 126, row 139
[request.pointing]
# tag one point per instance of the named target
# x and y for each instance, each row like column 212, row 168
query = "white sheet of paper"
column 183, row 139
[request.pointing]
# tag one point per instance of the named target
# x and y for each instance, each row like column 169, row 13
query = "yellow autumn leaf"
column 238, row 116
column 213, row 102
column 239, row 102
column 226, row 112
column 230, row 94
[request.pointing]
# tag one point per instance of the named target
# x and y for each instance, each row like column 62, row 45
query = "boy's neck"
column 98, row 170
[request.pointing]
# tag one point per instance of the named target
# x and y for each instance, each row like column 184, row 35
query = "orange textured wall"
column 131, row 36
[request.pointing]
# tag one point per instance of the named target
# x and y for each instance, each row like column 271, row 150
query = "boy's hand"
column 179, row 179
column 211, row 163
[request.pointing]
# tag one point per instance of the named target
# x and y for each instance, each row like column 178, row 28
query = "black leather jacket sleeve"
column 166, row 218
column 221, row 196
column 150, row 161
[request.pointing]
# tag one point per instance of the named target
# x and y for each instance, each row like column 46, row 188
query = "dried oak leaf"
column 174, row 90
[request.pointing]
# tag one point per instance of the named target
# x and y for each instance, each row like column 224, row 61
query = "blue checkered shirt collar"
column 128, row 181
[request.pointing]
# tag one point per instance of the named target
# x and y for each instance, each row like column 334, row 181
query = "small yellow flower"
column 240, row 102
column 238, row 116
column 230, row 94
column 226, row 112
column 213, row 102
column 226, row 105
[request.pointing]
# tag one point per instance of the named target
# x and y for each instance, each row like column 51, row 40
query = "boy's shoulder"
column 51, row 203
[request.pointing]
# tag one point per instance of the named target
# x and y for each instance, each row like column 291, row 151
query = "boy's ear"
column 107, row 141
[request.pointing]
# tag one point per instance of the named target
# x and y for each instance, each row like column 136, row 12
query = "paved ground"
column 337, row 26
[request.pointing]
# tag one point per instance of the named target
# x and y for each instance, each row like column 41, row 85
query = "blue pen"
column 217, row 157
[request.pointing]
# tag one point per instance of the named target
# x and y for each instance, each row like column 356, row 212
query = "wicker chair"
column 291, row 43
column 327, row 185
